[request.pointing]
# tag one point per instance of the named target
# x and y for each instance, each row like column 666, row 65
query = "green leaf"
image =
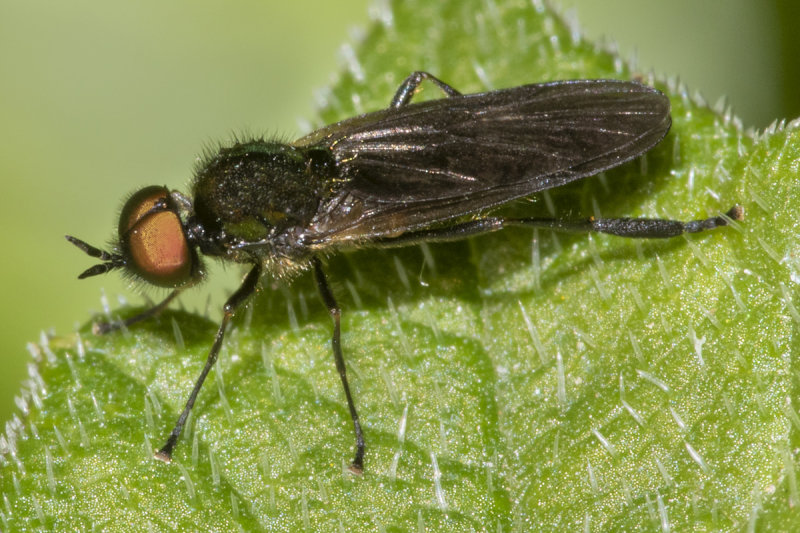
column 517, row 381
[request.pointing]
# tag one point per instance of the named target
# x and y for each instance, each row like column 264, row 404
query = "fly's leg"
column 409, row 86
column 333, row 308
column 236, row 299
column 641, row 228
column 101, row 328
column 110, row 262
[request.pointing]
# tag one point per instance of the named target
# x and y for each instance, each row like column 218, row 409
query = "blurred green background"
column 99, row 98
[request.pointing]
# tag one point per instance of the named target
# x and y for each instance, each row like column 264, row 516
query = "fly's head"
column 152, row 243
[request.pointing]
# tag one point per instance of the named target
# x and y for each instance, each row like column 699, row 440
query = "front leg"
column 101, row 328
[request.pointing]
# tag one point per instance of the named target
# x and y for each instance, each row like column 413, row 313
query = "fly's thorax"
column 260, row 193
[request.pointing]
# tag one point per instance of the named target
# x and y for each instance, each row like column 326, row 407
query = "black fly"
column 413, row 172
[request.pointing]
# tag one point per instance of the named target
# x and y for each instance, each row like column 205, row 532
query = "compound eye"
column 153, row 242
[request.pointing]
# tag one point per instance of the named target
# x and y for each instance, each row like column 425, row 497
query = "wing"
column 410, row 167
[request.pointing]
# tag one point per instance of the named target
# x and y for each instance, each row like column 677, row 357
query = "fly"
column 412, row 173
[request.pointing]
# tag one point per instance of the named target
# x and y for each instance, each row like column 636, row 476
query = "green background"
column 97, row 99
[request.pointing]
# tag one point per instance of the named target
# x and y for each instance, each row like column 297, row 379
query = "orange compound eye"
column 153, row 242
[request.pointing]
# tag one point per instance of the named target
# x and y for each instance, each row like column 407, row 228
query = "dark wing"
column 424, row 163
